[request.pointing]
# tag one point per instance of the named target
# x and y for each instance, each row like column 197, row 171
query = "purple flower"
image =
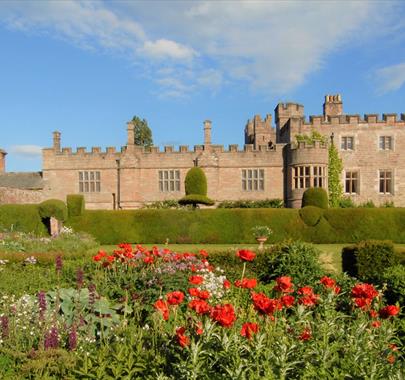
column 92, row 296
column 72, row 338
column 58, row 264
column 42, row 305
column 51, row 339
column 4, row 326
column 79, row 278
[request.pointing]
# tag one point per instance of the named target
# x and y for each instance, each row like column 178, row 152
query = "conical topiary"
column 196, row 188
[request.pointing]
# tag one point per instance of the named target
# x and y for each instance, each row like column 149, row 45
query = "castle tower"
column 130, row 133
column 56, row 141
column 333, row 106
column 2, row 161
column 259, row 132
column 207, row 132
column 288, row 120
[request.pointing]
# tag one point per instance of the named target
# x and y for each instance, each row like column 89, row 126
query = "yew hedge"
column 222, row 226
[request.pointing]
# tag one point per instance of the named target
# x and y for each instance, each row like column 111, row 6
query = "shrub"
column 53, row 208
column 394, row 277
column 194, row 199
column 367, row 204
column 346, row 202
column 315, row 196
column 296, row 259
column 24, row 218
column 196, row 188
column 368, row 259
column 167, row 204
column 266, row 203
column 75, row 204
column 311, row 215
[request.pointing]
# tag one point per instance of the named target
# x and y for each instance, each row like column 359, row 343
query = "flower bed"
column 152, row 314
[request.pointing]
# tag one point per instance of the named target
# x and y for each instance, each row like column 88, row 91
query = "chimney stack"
column 131, row 133
column 56, row 141
column 2, row 161
column 333, row 106
column 207, row 132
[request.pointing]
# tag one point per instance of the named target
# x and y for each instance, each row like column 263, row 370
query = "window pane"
column 255, row 184
column 92, row 187
column 350, row 143
column 166, row 174
column 160, row 186
column 177, row 174
column 98, row 176
column 80, row 176
column 160, row 175
column 171, row 174
column 86, row 176
column 243, row 184
column 243, row 173
column 91, row 176
column 86, row 187
column 261, row 184
column 81, row 187
column 166, row 185
column 261, row 175
column 98, row 187
column 177, row 185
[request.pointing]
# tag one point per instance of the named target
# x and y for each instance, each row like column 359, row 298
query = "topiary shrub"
column 196, row 188
column 394, row 277
column 291, row 258
column 311, row 215
column 53, row 207
column 75, row 204
column 315, row 196
column 24, row 218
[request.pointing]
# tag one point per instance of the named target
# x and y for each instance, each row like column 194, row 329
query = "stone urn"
column 261, row 240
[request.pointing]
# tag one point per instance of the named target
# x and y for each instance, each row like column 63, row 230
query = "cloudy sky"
column 87, row 67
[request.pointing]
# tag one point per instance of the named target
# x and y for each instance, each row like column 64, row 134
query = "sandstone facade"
column 270, row 165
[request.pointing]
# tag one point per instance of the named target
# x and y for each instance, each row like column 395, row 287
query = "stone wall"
column 10, row 196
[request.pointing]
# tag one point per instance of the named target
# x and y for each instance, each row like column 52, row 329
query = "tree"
column 143, row 134
column 334, row 173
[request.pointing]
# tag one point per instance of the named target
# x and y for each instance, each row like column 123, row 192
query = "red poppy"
column 196, row 280
column 391, row 359
column 284, row 284
column 376, row 324
column 328, row 282
column 308, row 297
column 249, row 329
column 246, row 255
column 163, row 307
column 305, row 291
column 247, row 283
column 364, row 291
column 373, row 313
column 199, row 306
column 148, row 259
column 265, row 304
column 224, row 315
column 305, row 335
column 182, row 339
column 287, row 300
column 227, row 284
column 194, row 292
column 204, row 294
column 389, row 311
column 199, row 328
column 110, row 258
column 203, row 253
column 175, row 298
column 337, row 289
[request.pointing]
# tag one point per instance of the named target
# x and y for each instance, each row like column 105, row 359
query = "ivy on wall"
column 335, row 187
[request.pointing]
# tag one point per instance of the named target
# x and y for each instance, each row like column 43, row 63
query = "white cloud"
column 30, row 151
column 390, row 78
column 273, row 46
column 161, row 49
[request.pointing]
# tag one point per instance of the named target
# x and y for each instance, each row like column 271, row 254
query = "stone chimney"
column 333, row 106
column 207, row 132
column 2, row 161
column 56, row 141
column 131, row 133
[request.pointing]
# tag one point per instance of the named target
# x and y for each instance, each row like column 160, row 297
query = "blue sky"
column 86, row 68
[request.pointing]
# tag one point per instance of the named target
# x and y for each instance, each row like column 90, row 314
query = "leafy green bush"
column 24, row 218
column 394, row 277
column 346, row 202
column 367, row 260
column 315, row 196
column 75, row 204
column 195, row 182
column 367, row 204
column 167, row 204
column 311, row 215
column 296, row 259
column 53, row 208
column 265, row 203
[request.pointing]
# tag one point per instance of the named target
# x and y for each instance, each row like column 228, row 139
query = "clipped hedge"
column 53, row 207
column 315, row 196
column 311, row 215
column 194, row 199
column 223, row 226
column 75, row 204
column 195, row 182
column 24, row 218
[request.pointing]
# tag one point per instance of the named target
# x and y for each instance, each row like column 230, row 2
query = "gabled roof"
column 23, row 180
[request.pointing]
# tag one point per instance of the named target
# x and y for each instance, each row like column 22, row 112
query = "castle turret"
column 2, row 161
column 333, row 106
column 259, row 132
column 56, row 141
column 207, row 132
column 288, row 119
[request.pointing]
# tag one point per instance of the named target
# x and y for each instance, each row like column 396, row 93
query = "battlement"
column 390, row 119
column 305, row 145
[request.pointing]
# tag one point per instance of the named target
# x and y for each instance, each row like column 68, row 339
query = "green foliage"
column 296, row 259
column 346, row 202
column 394, row 277
column 367, row 204
column 143, row 134
column 167, row 204
column 195, row 182
column 194, row 199
column 23, row 218
column 265, row 203
column 75, row 204
column 311, row 215
column 310, row 139
column 335, row 167
column 218, row 226
column 53, row 207
column 315, row 196
column 367, row 260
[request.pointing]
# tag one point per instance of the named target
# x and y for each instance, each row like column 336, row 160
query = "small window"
column 252, row 179
column 352, row 183
column 319, row 176
column 385, row 143
column 385, row 182
column 302, row 177
column 169, row 180
column 89, row 182
column 347, row 143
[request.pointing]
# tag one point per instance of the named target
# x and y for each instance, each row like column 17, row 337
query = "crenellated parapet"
column 387, row 119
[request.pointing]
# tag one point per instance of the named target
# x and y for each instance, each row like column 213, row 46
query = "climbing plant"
column 335, row 171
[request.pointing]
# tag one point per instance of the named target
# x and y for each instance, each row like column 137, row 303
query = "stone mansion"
column 270, row 164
